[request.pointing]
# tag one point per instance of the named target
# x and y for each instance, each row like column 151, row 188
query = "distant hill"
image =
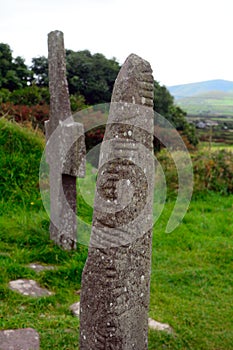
column 213, row 97
column 186, row 90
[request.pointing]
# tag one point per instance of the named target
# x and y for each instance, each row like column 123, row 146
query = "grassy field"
column 215, row 146
column 192, row 267
column 191, row 281
column 212, row 103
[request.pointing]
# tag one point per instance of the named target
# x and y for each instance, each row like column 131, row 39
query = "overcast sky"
column 184, row 40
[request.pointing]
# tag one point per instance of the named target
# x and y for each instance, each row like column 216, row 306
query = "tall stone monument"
column 65, row 149
column 116, row 278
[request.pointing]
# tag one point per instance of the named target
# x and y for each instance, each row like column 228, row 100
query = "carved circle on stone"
column 122, row 181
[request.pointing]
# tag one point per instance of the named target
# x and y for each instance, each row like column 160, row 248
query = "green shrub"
column 77, row 103
column 4, row 95
column 213, row 171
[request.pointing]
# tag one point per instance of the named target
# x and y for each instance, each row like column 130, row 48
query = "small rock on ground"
column 75, row 309
column 19, row 339
column 38, row 267
column 158, row 326
column 29, row 288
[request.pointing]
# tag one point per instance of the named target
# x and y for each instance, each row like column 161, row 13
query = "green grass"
column 191, row 278
column 192, row 271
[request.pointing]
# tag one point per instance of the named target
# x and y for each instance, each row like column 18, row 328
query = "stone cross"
column 65, row 149
column 116, row 277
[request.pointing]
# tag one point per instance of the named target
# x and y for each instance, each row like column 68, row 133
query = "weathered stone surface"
column 73, row 148
column 19, row 339
column 65, row 149
column 116, row 277
column 154, row 325
column 58, row 87
column 29, row 288
column 38, row 267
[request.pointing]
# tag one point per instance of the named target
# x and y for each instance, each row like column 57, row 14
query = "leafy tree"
column 90, row 75
column 163, row 100
column 39, row 70
column 5, row 63
column 14, row 73
column 178, row 118
column 22, row 71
